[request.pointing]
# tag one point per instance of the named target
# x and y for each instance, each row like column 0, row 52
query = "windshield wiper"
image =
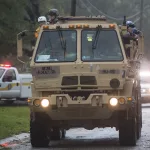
column 94, row 43
column 63, row 42
column 50, row 43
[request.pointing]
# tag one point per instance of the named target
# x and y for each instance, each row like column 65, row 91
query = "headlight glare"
column 144, row 90
column 45, row 102
column 113, row 101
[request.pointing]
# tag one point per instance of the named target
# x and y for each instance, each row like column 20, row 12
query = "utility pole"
column 141, row 16
column 73, row 7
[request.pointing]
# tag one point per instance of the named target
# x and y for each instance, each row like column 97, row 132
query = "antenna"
column 73, row 7
column 124, row 21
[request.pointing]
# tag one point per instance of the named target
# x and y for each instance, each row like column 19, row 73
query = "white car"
column 145, row 86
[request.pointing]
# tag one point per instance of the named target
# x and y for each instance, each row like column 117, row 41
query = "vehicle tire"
column 8, row 102
column 128, row 132
column 139, row 127
column 139, row 114
column 39, row 134
column 56, row 133
column 63, row 133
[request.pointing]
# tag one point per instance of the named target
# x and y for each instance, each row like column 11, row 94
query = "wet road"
column 104, row 139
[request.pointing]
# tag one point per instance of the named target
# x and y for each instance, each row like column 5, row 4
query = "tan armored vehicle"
column 82, row 77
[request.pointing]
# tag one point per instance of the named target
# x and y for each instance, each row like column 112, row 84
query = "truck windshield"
column 1, row 72
column 107, row 47
column 57, row 45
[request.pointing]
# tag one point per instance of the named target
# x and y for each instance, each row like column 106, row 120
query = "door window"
column 11, row 74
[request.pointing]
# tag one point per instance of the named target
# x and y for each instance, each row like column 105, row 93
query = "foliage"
column 18, row 15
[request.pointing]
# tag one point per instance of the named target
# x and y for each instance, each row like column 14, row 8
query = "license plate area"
column 97, row 100
column 61, row 102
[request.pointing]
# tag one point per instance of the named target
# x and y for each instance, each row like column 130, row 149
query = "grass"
column 13, row 120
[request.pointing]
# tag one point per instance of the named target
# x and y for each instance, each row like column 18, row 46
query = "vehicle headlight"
column 121, row 100
column 113, row 101
column 114, row 83
column 45, row 102
column 143, row 90
column 36, row 102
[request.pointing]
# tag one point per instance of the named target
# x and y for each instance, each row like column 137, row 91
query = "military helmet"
column 53, row 12
column 130, row 24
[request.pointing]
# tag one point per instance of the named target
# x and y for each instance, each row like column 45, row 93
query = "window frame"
column 3, row 70
column 104, row 29
column 54, row 30
column 12, row 74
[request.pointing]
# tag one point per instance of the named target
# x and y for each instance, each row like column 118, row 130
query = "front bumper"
column 96, row 106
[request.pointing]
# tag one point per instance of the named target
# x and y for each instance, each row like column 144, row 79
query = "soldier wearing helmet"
column 41, row 20
column 53, row 16
column 130, row 24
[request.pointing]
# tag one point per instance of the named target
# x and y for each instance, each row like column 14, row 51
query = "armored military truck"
column 83, row 77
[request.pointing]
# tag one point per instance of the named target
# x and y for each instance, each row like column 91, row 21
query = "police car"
column 14, row 86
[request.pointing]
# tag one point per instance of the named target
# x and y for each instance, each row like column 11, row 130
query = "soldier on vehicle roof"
column 53, row 16
column 41, row 20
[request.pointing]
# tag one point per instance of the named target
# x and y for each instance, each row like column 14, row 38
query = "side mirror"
column 7, row 79
column 20, row 37
column 19, row 42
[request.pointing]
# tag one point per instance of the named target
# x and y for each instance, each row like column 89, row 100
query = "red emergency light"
column 5, row 65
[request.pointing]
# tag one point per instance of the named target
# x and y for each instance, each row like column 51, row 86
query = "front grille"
column 88, row 80
column 70, row 88
column 78, row 93
column 87, row 88
column 70, row 80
